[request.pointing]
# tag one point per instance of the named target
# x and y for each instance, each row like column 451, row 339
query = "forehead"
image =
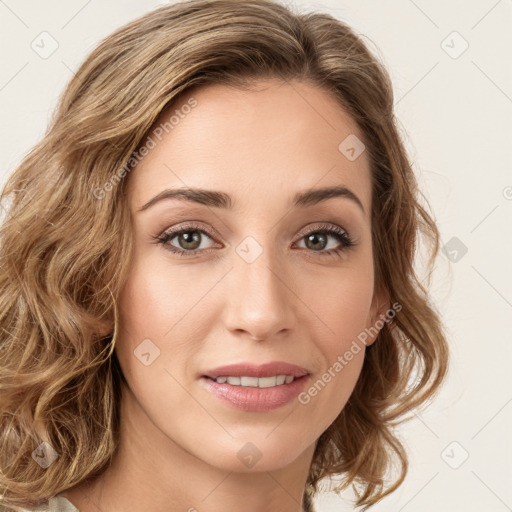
column 277, row 137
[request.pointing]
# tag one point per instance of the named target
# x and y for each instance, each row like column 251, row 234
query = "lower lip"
column 255, row 399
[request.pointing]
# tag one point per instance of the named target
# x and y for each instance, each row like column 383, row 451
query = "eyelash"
column 341, row 235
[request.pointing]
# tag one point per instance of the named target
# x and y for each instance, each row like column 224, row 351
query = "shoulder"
column 55, row 504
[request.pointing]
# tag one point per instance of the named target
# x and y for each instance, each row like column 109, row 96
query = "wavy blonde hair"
column 65, row 250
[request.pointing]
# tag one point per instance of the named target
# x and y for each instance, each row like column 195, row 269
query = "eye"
column 318, row 240
column 188, row 240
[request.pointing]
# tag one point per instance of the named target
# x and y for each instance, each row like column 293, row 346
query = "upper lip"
column 252, row 370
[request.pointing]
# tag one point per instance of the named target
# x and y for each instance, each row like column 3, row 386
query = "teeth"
column 267, row 382
column 255, row 382
column 249, row 381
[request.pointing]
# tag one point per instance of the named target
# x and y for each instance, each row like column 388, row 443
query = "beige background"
column 455, row 106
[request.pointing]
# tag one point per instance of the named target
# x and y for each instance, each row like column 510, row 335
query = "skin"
column 179, row 443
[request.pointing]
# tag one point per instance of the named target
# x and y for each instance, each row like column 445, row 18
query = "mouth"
column 255, row 394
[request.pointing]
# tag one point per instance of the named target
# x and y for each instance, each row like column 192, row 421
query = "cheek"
column 158, row 296
column 343, row 303
column 161, row 302
column 344, row 308
column 156, row 336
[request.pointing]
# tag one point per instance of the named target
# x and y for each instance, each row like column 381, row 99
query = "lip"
column 252, row 399
column 251, row 370
column 255, row 399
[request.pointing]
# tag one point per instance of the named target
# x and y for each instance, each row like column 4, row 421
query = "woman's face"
column 260, row 279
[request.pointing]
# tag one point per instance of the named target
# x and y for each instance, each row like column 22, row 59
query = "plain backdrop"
column 450, row 64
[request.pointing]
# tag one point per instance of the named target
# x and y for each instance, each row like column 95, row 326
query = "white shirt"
column 55, row 504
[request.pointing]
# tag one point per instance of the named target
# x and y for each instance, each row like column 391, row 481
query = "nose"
column 259, row 300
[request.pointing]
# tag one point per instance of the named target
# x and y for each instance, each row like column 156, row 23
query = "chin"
column 259, row 452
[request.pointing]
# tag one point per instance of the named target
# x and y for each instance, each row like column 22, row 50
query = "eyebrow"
column 219, row 199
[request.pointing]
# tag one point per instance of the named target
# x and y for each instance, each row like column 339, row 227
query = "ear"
column 377, row 314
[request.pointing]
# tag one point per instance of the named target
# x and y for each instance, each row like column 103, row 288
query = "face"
column 250, row 275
